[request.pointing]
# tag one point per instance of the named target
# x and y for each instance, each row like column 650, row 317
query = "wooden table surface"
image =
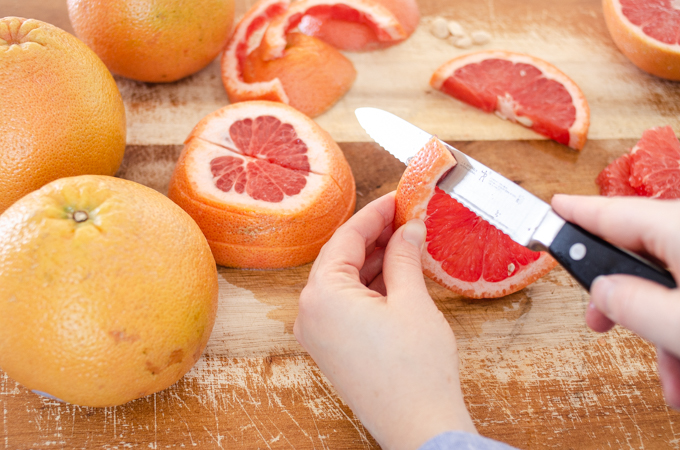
column 533, row 375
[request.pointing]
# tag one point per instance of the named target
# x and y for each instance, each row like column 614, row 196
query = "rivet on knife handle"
column 586, row 256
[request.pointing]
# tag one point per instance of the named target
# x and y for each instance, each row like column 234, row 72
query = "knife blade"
column 525, row 218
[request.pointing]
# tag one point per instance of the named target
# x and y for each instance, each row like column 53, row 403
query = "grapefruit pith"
column 519, row 88
column 463, row 252
column 651, row 169
column 62, row 114
column 108, row 291
column 648, row 33
column 265, row 183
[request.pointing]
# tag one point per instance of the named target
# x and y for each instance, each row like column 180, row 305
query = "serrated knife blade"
column 525, row 218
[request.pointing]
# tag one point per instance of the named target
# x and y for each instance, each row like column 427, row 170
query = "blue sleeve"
column 460, row 440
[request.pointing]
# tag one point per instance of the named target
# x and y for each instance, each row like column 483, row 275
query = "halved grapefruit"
column 383, row 23
column 648, row 33
column 651, row 169
column 463, row 252
column 247, row 36
column 345, row 34
column 519, row 88
column 266, row 185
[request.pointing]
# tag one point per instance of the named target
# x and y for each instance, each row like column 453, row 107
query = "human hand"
column 650, row 228
column 371, row 326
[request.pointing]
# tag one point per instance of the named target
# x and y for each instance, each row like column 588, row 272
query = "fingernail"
column 600, row 293
column 415, row 232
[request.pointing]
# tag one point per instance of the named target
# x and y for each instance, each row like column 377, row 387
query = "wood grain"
column 533, row 375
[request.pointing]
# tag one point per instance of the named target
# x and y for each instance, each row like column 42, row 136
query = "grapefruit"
column 157, row 41
column 651, row 169
column 519, row 88
column 108, row 291
column 313, row 74
column 344, row 32
column 463, row 252
column 648, row 33
column 62, row 112
column 384, row 24
column 265, row 183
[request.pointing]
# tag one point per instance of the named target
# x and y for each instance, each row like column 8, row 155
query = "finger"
column 378, row 285
column 382, row 240
column 372, row 266
column 402, row 268
column 347, row 247
column 596, row 320
column 649, row 226
column 669, row 374
column 642, row 306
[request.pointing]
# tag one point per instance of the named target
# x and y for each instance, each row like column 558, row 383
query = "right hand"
column 650, row 228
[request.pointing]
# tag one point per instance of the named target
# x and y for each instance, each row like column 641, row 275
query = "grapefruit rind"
column 414, row 192
column 247, row 36
column 579, row 128
column 649, row 54
column 381, row 20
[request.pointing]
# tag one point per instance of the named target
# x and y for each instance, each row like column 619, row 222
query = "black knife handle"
column 585, row 256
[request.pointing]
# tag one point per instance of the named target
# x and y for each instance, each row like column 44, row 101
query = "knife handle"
column 586, row 256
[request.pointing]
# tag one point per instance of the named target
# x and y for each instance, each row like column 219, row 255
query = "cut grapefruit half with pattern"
column 519, row 88
column 344, row 32
column 648, row 33
column 266, row 185
column 383, row 23
column 651, row 169
column 463, row 252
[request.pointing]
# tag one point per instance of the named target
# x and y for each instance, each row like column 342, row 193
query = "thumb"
column 642, row 306
column 402, row 267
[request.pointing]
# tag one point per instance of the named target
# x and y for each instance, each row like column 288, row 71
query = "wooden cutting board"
column 533, row 375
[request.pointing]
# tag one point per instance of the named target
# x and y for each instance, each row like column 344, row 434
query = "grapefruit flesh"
column 345, row 32
column 62, row 112
column 265, row 184
column 519, row 88
column 651, row 169
column 463, row 252
column 648, row 33
column 108, row 291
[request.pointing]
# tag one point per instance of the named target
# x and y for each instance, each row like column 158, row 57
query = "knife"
column 521, row 215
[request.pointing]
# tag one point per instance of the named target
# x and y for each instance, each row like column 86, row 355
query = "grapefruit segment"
column 266, row 185
column 648, row 33
column 463, row 252
column 519, row 88
column 247, row 36
column 382, row 22
column 614, row 179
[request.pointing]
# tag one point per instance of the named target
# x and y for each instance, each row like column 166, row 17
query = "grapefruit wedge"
column 648, row 33
column 344, row 33
column 382, row 22
column 519, row 88
column 463, row 252
column 266, row 185
column 651, row 169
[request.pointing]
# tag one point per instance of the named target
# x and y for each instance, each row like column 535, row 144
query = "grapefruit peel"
column 506, row 107
column 380, row 19
column 247, row 36
column 646, row 52
column 416, row 189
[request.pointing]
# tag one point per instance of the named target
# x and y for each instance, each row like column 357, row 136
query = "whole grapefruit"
column 156, row 41
column 108, row 291
column 62, row 114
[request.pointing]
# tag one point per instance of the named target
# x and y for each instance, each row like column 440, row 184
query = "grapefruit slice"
column 463, row 252
column 266, row 185
column 383, row 23
column 247, row 36
column 344, row 34
column 648, row 33
column 651, row 169
column 519, row 88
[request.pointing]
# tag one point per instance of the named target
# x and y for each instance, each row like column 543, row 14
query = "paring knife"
column 524, row 217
